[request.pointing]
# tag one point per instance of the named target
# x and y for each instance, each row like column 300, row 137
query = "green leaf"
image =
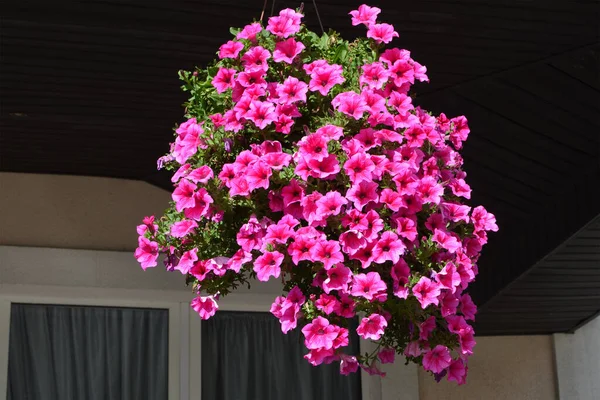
column 324, row 42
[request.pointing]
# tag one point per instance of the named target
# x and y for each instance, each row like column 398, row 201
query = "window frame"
column 99, row 297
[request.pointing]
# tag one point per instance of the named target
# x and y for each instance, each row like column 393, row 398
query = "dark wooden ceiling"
column 90, row 88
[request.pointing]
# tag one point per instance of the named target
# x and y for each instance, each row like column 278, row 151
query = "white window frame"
column 99, row 297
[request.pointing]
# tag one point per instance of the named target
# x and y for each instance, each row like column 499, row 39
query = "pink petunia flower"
column 370, row 286
column 446, row 240
column 327, row 252
column 483, row 220
column 359, row 168
column 205, row 306
column 256, row 59
column 350, row 103
column 182, row 228
column 330, row 204
column 257, row 175
column 372, row 327
column 262, row 113
column 457, row 372
column 286, row 24
column 437, row 359
column 467, row 307
column 183, row 195
column 381, row 33
column 187, row 260
column 231, row 49
column 448, row 303
column 326, row 303
column 249, row 32
column 313, row 147
column 292, row 90
column 325, row 77
column 362, row 194
column 224, row 79
column 388, row 248
column 364, row 15
column 448, row 277
column 348, row 364
column 146, row 253
column 267, row 265
column 202, row 204
column 427, row 292
column 201, row 174
column 374, row 76
column 319, row 334
column 338, row 278
column 387, row 355
column 287, row 50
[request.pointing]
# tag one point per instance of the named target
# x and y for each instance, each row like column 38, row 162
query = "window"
column 64, row 352
column 245, row 356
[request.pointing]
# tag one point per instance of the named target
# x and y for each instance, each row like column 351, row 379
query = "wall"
column 578, row 362
column 75, row 212
column 504, row 367
column 97, row 214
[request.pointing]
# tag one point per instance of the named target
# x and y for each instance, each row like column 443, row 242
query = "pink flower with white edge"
column 267, row 265
column 437, row 359
column 372, row 327
column 205, row 306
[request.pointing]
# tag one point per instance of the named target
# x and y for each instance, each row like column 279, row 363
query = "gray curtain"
column 245, row 356
column 87, row 353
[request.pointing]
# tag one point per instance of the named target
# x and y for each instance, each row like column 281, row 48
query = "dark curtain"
column 245, row 356
column 87, row 353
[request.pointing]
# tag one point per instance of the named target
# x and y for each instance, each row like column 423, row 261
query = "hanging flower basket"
column 304, row 159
